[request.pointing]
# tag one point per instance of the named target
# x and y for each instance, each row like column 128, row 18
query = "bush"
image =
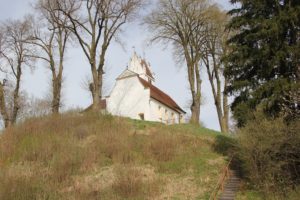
column 270, row 151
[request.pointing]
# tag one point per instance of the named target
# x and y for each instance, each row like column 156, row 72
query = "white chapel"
column 135, row 96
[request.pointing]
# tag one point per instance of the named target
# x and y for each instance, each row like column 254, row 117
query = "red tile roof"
column 160, row 96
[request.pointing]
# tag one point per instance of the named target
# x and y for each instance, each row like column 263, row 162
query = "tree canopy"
column 264, row 65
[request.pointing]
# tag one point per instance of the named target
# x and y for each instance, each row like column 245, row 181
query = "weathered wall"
column 162, row 113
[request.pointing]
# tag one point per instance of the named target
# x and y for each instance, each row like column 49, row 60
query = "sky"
column 171, row 77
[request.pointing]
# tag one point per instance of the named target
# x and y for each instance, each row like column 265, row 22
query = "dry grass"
column 128, row 181
column 133, row 182
column 90, row 156
column 163, row 147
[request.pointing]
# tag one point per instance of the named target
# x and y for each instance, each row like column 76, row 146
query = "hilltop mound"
column 89, row 156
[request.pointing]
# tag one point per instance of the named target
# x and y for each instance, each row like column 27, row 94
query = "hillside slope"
column 89, row 156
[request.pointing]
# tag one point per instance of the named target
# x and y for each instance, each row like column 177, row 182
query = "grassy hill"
column 89, row 156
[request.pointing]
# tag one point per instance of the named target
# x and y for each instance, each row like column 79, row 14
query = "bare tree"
column 51, row 37
column 181, row 23
column 95, row 23
column 215, row 49
column 13, row 55
column 35, row 107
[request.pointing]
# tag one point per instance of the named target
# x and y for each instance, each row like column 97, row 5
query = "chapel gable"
column 139, row 66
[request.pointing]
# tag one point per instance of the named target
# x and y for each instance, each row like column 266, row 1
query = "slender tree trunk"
column 57, row 78
column 225, row 109
column 195, row 109
column 100, row 70
column 95, row 87
column 3, row 110
column 16, row 105
column 97, row 72
column 57, row 82
column 222, row 109
column 195, row 85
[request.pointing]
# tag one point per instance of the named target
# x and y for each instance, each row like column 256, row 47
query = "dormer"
column 141, row 67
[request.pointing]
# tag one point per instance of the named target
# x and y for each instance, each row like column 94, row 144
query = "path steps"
column 231, row 186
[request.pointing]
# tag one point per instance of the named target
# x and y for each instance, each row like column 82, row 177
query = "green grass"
column 90, row 156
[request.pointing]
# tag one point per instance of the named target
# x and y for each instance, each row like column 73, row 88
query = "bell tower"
column 141, row 67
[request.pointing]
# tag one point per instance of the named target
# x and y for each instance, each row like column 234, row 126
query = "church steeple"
column 141, row 67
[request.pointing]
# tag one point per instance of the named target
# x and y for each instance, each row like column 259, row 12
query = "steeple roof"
column 141, row 67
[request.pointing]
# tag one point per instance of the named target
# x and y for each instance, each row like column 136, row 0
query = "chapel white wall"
column 161, row 113
column 129, row 98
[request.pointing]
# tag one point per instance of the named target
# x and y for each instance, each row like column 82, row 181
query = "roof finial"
column 133, row 47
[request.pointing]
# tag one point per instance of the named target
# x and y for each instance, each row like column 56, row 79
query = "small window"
column 142, row 117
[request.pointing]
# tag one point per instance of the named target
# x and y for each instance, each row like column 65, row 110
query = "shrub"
column 270, row 151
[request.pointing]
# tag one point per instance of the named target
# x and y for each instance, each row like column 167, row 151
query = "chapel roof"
column 160, row 96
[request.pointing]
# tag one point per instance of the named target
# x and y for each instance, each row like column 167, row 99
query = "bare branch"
column 94, row 23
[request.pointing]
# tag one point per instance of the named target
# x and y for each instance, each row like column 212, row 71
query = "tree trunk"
column 195, row 109
column 196, row 95
column 195, row 86
column 95, row 88
column 100, row 70
column 57, row 78
column 97, row 72
column 57, row 82
column 222, row 110
column 225, row 109
column 3, row 110
column 16, row 105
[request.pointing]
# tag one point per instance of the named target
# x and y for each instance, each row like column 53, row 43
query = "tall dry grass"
column 163, row 147
column 43, row 158
column 61, row 146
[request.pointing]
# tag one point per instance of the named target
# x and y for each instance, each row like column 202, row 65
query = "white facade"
column 129, row 98
column 135, row 98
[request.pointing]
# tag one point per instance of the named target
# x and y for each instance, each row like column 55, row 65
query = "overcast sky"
column 170, row 76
